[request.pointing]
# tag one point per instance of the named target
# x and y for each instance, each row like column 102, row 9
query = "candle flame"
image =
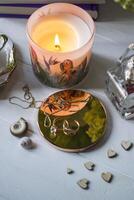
column 57, row 42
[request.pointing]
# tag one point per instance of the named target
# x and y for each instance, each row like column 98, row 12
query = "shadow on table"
column 112, row 11
column 7, row 89
column 96, row 76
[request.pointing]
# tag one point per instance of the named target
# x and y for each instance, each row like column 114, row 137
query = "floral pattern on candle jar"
column 57, row 73
column 60, row 37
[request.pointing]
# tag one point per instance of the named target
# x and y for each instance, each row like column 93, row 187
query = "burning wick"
column 57, row 42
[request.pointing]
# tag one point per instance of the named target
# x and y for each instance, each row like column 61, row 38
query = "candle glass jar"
column 57, row 68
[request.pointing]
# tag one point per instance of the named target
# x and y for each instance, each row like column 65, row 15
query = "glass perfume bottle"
column 120, row 83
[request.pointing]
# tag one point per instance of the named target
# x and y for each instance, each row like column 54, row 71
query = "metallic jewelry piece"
column 70, row 130
column 53, row 128
column 52, row 125
column 27, row 102
column 53, row 131
column 47, row 121
column 27, row 93
column 67, row 129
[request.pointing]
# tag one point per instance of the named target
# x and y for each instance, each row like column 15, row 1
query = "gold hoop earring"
column 70, row 131
column 47, row 121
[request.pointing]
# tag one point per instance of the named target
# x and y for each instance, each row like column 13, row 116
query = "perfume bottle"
column 120, row 83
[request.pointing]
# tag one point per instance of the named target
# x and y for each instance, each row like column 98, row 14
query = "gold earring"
column 68, row 130
column 53, row 129
column 47, row 121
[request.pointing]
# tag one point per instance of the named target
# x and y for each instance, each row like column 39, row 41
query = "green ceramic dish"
column 91, row 116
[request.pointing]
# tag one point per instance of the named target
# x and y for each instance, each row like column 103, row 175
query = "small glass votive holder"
column 57, row 68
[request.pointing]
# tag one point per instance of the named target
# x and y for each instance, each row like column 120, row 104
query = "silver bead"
column 26, row 143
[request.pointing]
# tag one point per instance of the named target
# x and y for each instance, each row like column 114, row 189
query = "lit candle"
column 61, row 36
column 57, row 44
column 68, row 30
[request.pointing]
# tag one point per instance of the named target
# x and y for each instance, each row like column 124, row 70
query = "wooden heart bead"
column 70, row 171
column 89, row 165
column 111, row 153
column 127, row 145
column 107, row 177
column 83, row 183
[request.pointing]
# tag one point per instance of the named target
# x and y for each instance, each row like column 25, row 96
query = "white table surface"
column 41, row 173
